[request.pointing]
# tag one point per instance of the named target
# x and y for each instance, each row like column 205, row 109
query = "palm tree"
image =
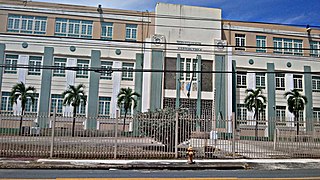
column 296, row 102
column 125, row 99
column 74, row 96
column 255, row 101
column 21, row 92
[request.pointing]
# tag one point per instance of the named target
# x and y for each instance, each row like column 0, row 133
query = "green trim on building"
column 308, row 94
column 220, row 86
column 156, row 80
column 2, row 60
column 138, row 81
column 234, row 90
column 45, row 91
column 271, row 98
column 93, row 94
column 178, row 84
column 199, row 84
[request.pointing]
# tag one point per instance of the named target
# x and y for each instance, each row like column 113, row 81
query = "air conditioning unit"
column 220, row 45
column 158, row 41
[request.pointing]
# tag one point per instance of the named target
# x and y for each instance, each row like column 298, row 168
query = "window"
column 287, row 46
column 27, row 24
column 240, row 41
column 106, row 31
column 261, row 44
column 188, row 65
column 297, row 82
column 131, row 32
column 60, row 64
column 301, row 117
column 104, row 106
column 122, row 110
column 316, row 83
column 34, row 65
column 106, row 73
column 11, row 64
column 260, row 80
column 81, row 109
column 316, row 115
column 242, row 113
column 315, row 48
column 73, row 28
column 280, row 82
column 127, row 75
column 241, row 80
column 56, row 103
column 281, row 113
column 5, row 102
column 83, row 66
column 32, row 108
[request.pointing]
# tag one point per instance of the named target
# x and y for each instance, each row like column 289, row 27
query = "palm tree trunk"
column 297, row 120
column 257, row 121
column 124, row 120
column 20, row 125
column 73, row 120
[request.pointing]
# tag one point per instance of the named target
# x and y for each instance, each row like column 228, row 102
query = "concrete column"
column 289, row 86
column 220, row 86
column 138, row 81
column 251, row 84
column 271, row 98
column 234, row 89
column 70, row 80
column 2, row 60
column 93, row 94
column 156, row 80
column 199, row 84
column 116, row 79
column 45, row 91
column 308, row 94
column 178, row 83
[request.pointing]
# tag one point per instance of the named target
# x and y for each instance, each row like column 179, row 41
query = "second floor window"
column 260, row 80
column 107, row 31
column 106, row 73
column 73, row 28
column 240, row 41
column 59, row 64
column 297, row 81
column 83, row 65
column 35, row 65
column 287, row 46
column 261, row 44
column 27, row 24
column 280, row 81
column 316, row 83
column 188, row 65
column 11, row 64
column 241, row 80
column 127, row 75
column 131, row 32
column 315, row 48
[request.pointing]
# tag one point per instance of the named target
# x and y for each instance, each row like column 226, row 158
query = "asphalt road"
column 52, row 174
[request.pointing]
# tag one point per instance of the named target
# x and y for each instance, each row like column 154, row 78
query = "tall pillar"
column 234, row 90
column 2, row 57
column 45, row 91
column 138, row 81
column 93, row 94
column 220, row 86
column 156, row 80
column 271, row 99
column 308, row 94
column 199, row 84
column 178, row 84
column 288, row 87
column 116, row 79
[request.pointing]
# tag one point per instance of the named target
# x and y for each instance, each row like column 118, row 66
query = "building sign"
column 189, row 43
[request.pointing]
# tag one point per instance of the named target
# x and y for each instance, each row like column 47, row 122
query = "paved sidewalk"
column 25, row 163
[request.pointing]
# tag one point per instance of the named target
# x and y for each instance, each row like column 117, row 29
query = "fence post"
column 233, row 135
column 176, row 134
column 116, row 136
column 52, row 132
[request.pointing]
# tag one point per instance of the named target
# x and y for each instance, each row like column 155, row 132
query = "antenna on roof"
column 99, row 9
column 25, row 2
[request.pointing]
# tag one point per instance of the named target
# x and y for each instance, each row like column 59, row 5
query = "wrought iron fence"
column 157, row 135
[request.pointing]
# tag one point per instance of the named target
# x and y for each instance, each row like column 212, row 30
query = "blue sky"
column 300, row 12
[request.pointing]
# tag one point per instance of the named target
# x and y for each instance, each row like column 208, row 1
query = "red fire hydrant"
column 190, row 154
